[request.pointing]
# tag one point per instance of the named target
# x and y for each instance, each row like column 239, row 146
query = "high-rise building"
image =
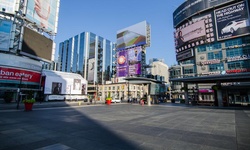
column 212, row 40
column 89, row 55
column 158, row 67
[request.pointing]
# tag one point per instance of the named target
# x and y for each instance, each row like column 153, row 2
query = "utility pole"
column 19, row 92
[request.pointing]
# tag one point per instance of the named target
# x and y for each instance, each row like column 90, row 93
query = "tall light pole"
column 19, row 92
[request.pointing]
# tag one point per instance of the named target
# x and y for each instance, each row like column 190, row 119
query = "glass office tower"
column 89, row 55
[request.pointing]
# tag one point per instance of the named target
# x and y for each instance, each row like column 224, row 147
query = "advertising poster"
column 57, row 83
column 134, row 54
column 5, row 30
column 9, row 5
column 135, row 69
column 44, row 13
column 56, row 88
column 232, row 21
column 199, row 31
column 191, row 33
column 77, row 84
column 122, row 63
column 132, row 36
column 134, row 60
column 91, row 69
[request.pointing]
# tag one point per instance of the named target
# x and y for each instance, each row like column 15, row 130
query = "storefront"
column 228, row 89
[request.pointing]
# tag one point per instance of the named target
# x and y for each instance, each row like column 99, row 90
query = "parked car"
column 233, row 26
column 116, row 100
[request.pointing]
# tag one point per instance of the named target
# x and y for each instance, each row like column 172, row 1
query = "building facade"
column 212, row 38
column 26, row 45
column 158, row 67
column 89, row 55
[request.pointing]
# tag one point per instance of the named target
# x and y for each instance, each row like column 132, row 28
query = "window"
column 201, row 48
column 188, row 70
column 233, row 42
column 216, row 67
column 191, row 61
column 215, row 46
column 235, row 65
column 214, row 55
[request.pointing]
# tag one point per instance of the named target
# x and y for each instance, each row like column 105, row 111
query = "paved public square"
column 125, row 126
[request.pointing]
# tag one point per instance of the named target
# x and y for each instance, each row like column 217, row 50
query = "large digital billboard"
column 122, row 63
column 129, row 62
column 36, row 45
column 132, row 36
column 5, row 30
column 44, row 13
column 9, row 6
column 232, row 21
column 191, row 7
column 196, row 32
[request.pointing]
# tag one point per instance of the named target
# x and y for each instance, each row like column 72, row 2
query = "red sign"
column 237, row 71
column 16, row 74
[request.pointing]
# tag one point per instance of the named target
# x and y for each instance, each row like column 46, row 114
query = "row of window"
column 131, row 87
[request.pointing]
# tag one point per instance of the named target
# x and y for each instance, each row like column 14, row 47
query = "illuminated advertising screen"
column 196, row 32
column 232, row 21
column 5, row 30
column 10, row 6
column 185, row 55
column 135, row 69
column 122, row 63
column 129, row 62
column 191, row 7
column 132, row 36
column 134, row 60
column 44, row 13
column 134, row 54
column 36, row 45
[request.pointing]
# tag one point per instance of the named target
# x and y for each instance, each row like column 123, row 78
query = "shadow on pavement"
column 65, row 128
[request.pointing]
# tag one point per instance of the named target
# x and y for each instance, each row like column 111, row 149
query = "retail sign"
column 208, row 62
column 237, row 58
column 211, row 73
column 19, row 74
column 238, row 70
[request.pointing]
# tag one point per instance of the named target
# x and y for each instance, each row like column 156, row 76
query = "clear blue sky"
column 106, row 17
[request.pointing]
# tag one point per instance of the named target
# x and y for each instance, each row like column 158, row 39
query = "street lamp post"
column 19, row 92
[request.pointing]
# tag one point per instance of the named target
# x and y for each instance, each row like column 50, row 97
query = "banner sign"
column 17, row 74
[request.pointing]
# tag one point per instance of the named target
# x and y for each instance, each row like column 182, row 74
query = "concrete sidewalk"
column 125, row 126
column 13, row 105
